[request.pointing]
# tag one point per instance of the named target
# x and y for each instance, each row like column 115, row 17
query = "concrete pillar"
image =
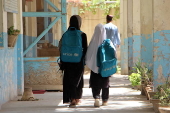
column 3, row 37
column 30, row 28
column 124, row 38
column 126, row 35
column 15, row 20
column 3, row 24
column 11, row 63
column 130, row 33
column 3, row 16
column 25, row 26
column 136, row 31
column 34, row 27
column 46, row 19
column 146, row 33
column 161, row 41
column 57, row 27
column 64, row 16
column 29, row 24
column 121, row 32
column 20, row 64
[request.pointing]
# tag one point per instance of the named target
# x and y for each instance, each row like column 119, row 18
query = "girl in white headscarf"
column 97, row 82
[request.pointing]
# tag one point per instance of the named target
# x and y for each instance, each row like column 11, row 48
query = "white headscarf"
column 97, row 39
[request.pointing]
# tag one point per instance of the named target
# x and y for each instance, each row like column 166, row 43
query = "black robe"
column 96, row 80
column 73, row 72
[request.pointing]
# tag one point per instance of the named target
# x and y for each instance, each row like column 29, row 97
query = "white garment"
column 112, row 33
column 97, row 39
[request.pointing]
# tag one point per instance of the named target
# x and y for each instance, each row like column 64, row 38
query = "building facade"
column 145, row 34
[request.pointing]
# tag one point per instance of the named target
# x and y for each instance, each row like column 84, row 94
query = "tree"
column 105, row 5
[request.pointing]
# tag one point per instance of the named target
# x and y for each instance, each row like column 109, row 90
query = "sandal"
column 73, row 103
column 78, row 101
column 104, row 103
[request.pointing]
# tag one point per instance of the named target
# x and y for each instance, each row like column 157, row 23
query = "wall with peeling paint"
column 130, row 34
column 124, row 37
column 161, row 56
column 8, row 72
column 11, row 58
column 42, row 73
column 136, row 31
column 147, row 50
column 150, row 40
column 146, row 17
column 161, row 46
column 161, row 40
column 11, row 71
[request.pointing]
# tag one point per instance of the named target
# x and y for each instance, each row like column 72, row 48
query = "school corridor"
column 30, row 31
column 123, row 99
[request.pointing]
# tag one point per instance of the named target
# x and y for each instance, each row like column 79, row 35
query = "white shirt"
column 112, row 33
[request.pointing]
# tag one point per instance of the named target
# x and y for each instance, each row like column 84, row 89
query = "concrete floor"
column 123, row 99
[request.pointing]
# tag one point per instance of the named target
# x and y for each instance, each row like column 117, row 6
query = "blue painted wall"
column 161, row 56
column 8, row 71
column 41, row 73
column 20, row 65
column 136, row 48
column 142, row 50
column 154, row 52
column 1, row 40
column 124, row 57
column 147, row 50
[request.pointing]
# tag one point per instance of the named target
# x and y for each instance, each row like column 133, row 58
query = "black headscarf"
column 75, row 21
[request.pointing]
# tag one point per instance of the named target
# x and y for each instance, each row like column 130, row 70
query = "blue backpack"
column 106, row 60
column 71, row 46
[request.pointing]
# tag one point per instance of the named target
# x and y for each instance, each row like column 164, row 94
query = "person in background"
column 73, row 72
column 112, row 31
column 97, row 82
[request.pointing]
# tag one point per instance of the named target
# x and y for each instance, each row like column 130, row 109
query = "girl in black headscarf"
column 73, row 72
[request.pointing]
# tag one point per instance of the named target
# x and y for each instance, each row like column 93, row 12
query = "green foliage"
column 12, row 31
column 118, row 69
column 163, row 93
column 140, row 73
column 135, row 79
column 165, row 96
column 93, row 5
column 157, row 95
column 144, row 71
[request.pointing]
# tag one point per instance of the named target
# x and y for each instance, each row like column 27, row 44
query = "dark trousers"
column 104, row 95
